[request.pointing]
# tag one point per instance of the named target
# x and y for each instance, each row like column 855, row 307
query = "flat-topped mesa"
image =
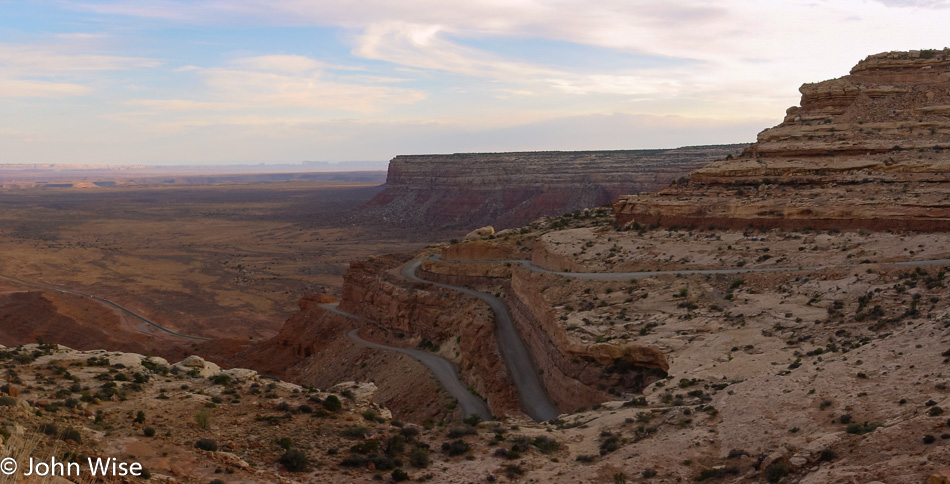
column 868, row 150
column 469, row 190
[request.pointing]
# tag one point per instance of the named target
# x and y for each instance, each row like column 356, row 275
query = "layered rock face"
column 576, row 375
column 461, row 326
column 868, row 150
column 468, row 190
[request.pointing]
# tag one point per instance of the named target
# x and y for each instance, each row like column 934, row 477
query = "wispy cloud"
column 183, row 105
column 272, row 82
column 55, row 59
column 302, row 89
column 39, row 70
column 14, row 88
column 295, row 64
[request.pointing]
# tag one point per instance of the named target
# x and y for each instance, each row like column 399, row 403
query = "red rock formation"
column 575, row 375
column 468, row 190
column 867, row 151
column 440, row 316
column 481, row 250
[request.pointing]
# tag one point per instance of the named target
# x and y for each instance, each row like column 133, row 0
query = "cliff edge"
column 867, row 150
column 463, row 191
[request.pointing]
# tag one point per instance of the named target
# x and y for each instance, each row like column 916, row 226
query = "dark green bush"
column 454, row 448
column 776, row 471
column 332, row 403
column 72, row 434
column 355, row 431
column 295, row 461
column 545, row 445
column 460, row 432
column 419, row 457
column 206, row 444
column 221, row 379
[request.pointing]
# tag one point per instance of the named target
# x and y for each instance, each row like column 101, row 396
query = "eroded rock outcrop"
column 460, row 325
column 575, row 374
column 464, row 191
column 868, row 150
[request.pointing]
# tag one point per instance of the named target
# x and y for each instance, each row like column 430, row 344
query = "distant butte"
column 864, row 151
column 464, row 191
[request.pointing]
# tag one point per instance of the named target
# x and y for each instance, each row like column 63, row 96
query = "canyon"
column 463, row 191
column 779, row 315
column 744, row 335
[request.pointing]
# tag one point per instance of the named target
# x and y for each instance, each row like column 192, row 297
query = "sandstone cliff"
column 867, row 150
column 467, row 190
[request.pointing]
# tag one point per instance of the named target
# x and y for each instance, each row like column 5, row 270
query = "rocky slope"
column 467, row 190
column 312, row 349
column 28, row 316
column 868, row 150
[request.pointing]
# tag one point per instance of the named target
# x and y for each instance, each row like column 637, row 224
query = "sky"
column 284, row 81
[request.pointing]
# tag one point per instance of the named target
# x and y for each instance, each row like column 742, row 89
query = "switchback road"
column 443, row 370
column 524, row 372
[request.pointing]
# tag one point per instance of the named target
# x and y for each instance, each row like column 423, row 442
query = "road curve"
column 534, row 399
column 110, row 303
column 443, row 370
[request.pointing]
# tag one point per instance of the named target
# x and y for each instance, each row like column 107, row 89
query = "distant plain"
column 220, row 260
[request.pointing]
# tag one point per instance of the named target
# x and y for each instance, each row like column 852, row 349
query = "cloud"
column 422, row 46
column 280, row 63
column 257, row 85
column 303, row 89
column 708, row 47
column 917, row 3
column 183, row 105
column 426, row 47
column 14, row 88
column 430, row 75
column 55, row 59
column 24, row 67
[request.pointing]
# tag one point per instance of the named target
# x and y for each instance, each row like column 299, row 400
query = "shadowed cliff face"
column 868, row 150
column 469, row 190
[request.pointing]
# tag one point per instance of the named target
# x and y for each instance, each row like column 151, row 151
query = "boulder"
column 197, row 364
column 240, row 375
column 942, row 476
column 481, row 232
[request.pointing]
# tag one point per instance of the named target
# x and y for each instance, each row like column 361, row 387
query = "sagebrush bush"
column 206, row 444
column 295, row 460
